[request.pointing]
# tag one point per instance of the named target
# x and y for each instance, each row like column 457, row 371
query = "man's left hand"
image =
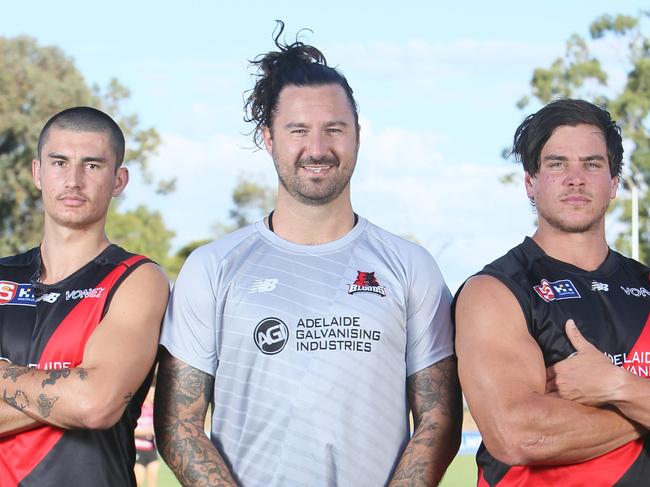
column 587, row 376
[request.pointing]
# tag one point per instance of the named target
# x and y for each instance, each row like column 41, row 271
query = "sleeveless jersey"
column 610, row 307
column 310, row 347
column 47, row 326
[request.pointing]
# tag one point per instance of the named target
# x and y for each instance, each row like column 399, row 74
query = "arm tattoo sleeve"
column 182, row 397
column 434, row 395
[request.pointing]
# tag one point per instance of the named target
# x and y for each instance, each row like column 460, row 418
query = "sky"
column 436, row 83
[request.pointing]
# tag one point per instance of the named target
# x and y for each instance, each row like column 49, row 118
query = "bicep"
column 123, row 347
column 500, row 364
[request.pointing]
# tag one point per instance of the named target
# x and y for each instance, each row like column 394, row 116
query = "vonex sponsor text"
column 93, row 292
column 637, row 292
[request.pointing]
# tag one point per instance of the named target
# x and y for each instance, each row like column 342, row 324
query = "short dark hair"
column 86, row 119
column 295, row 64
column 537, row 128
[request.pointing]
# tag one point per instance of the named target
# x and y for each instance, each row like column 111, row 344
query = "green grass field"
column 461, row 473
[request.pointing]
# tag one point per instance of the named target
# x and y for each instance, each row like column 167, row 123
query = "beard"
column 316, row 189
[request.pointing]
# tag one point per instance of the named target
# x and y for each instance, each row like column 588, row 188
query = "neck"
column 65, row 250
column 586, row 250
column 312, row 225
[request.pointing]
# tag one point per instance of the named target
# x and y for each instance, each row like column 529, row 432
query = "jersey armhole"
column 129, row 269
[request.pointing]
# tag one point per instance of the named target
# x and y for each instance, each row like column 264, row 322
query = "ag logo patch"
column 271, row 335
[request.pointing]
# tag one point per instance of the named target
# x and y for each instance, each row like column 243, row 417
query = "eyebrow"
column 58, row 155
column 301, row 125
column 556, row 157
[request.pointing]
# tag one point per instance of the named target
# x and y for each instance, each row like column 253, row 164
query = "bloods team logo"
column 271, row 335
column 552, row 291
column 17, row 294
column 366, row 283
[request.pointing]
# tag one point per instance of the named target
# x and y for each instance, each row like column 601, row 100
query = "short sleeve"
column 189, row 327
column 429, row 330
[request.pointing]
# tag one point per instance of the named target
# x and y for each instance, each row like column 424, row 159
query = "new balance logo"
column 48, row 297
column 263, row 286
column 599, row 286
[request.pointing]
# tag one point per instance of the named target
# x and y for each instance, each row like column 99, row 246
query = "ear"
column 268, row 139
column 612, row 193
column 36, row 173
column 121, row 180
column 529, row 181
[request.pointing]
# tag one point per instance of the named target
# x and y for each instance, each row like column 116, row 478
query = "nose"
column 316, row 145
column 74, row 176
column 575, row 176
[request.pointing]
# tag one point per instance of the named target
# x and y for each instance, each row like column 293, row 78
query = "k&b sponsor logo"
column 15, row 293
column 271, row 335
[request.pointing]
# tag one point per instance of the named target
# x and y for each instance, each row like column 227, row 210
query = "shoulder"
column 398, row 249
column 632, row 266
column 24, row 259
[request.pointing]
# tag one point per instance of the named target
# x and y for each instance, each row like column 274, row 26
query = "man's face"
column 314, row 143
column 573, row 187
column 77, row 178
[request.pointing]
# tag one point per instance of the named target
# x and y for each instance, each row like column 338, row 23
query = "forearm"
column 546, row 430
column 427, row 456
column 632, row 398
column 13, row 421
column 435, row 396
column 182, row 397
column 62, row 397
column 190, row 454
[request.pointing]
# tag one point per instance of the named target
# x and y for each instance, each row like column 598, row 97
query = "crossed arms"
column 116, row 360
column 526, row 414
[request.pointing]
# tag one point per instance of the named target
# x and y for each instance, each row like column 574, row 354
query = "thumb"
column 575, row 337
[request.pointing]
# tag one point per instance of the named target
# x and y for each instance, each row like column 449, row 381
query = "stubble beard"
column 565, row 226
column 308, row 192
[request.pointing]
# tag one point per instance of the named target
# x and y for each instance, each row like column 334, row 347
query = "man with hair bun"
column 312, row 332
column 553, row 339
column 79, row 320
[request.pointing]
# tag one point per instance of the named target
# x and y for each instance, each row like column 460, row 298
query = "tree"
column 141, row 231
column 579, row 73
column 36, row 82
column 251, row 200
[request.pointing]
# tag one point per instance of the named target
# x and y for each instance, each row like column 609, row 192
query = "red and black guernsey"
column 610, row 307
column 47, row 326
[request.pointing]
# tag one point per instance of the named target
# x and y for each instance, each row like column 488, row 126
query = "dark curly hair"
column 295, row 64
column 537, row 128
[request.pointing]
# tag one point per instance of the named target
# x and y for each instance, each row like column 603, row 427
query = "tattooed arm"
column 182, row 397
column 14, row 421
column 434, row 395
column 116, row 360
